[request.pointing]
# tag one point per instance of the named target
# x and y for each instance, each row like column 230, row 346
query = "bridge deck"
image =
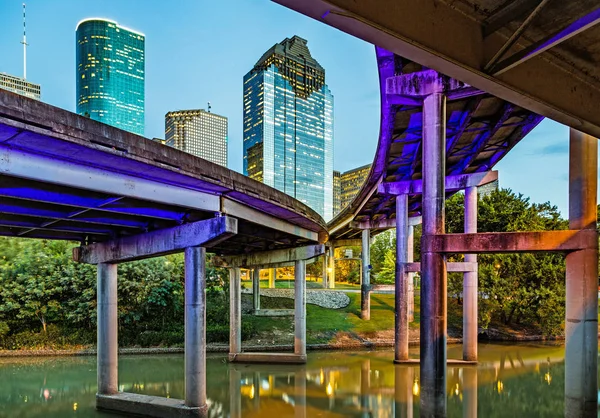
column 481, row 130
column 63, row 176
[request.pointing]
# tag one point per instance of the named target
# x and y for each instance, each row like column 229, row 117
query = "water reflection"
column 518, row 380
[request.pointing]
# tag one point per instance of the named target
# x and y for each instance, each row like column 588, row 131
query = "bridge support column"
column 470, row 392
column 470, row 282
column 108, row 346
column 365, row 288
column 272, row 278
column 300, row 308
column 581, row 329
column 410, row 244
column 235, row 312
column 256, row 288
column 325, row 285
column 300, row 392
column 195, row 327
column 401, row 280
column 433, row 264
column 331, row 269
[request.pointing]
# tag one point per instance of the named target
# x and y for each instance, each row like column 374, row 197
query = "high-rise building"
column 110, row 74
column 351, row 182
column 20, row 86
column 337, row 192
column 288, row 125
column 198, row 132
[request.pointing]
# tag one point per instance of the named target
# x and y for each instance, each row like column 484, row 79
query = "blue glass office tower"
column 110, row 74
column 288, row 125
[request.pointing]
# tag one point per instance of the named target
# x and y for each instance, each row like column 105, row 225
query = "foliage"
column 514, row 289
column 42, row 289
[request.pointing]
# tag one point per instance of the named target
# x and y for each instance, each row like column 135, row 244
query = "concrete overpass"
column 124, row 197
column 540, row 55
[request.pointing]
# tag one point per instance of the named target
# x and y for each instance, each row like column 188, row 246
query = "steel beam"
column 164, row 241
column 455, row 182
column 267, row 258
column 586, row 22
column 512, row 242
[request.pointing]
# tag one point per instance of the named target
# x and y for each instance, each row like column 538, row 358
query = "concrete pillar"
column 272, row 278
column 411, row 276
column 331, row 267
column 433, row 265
column 195, row 327
column 108, row 345
column 403, row 396
column 300, row 307
column 235, row 311
column 470, row 285
column 256, row 389
column 256, row 288
column 325, row 285
column 581, row 329
column 365, row 288
column 470, row 392
column 401, row 280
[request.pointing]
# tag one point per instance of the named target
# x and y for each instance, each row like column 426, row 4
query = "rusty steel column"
column 433, row 265
column 195, row 327
column 107, row 330
column 581, row 329
column 256, row 288
column 365, row 288
column 401, row 280
column 300, row 308
column 235, row 312
column 411, row 276
column 470, row 282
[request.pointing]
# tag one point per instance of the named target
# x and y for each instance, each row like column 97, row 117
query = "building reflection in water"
column 509, row 381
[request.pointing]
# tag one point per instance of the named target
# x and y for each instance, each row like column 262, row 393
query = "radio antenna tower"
column 25, row 44
column 208, row 107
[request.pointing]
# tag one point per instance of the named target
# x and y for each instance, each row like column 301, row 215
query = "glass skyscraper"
column 110, row 74
column 288, row 125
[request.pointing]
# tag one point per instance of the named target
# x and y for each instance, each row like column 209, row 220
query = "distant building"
column 487, row 189
column 288, row 125
column 110, row 71
column 198, row 132
column 337, row 192
column 20, row 86
column 351, row 182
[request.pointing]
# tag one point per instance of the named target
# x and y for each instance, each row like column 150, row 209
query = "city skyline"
column 352, row 75
column 288, row 124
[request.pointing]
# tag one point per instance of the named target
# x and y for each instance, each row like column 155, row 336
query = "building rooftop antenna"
column 25, row 44
column 208, row 107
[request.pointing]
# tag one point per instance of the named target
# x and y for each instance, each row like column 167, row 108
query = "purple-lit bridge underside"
column 122, row 198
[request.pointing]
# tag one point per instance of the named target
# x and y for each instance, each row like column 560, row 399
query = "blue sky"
column 198, row 51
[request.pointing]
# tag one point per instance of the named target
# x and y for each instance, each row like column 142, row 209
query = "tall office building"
column 350, row 183
column 288, row 125
column 20, row 86
column 110, row 74
column 337, row 192
column 198, row 132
